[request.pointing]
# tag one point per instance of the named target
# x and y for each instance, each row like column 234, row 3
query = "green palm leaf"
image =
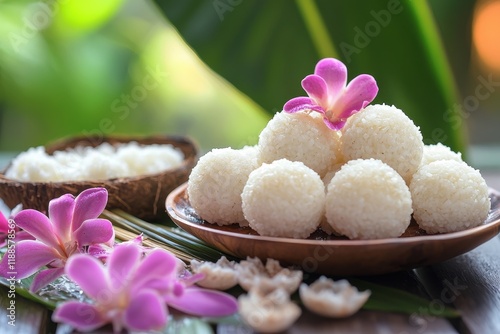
column 265, row 48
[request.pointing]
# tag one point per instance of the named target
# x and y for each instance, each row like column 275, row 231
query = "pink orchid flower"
column 102, row 251
column 6, row 229
column 329, row 95
column 72, row 225
column 132, row 291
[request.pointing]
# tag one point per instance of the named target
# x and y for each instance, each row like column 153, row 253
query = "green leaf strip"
column 388, row 299
column 317, row 28
column 187, row 245
column 424, row 19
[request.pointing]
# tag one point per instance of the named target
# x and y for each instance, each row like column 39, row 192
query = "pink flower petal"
column 158, row 263
column 4, row 224
column 30, row 255
column 335, row 125
column 334, row 72
column 83, row 317
column 146, row 312
column 45, row 277
column 99, row 251
column 204, row 302
column 138, row 240
column 301, row 103
column 90, row 275
column 166, row 287
column 111, row 242
column 94, row 231
column 192, row 279
column 38, row 225
column 316, row 88
column 89, row 205
column 61, row 215
column 121, row 262
column 23, row 235
column 359, row 93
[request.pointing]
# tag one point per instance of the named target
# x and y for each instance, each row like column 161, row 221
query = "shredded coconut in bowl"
column 85, row 163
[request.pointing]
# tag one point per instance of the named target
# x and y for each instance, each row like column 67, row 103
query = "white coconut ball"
column 284, row 199
column 216, row 182
column 299, row 137
column 439, row 152
column 449, row 196
column 384, row 132
column 367, row 199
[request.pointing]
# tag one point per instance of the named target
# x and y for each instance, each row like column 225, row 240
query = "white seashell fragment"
column 268, row 312
column 252, row 273
column 221, row 275
column 332, row 299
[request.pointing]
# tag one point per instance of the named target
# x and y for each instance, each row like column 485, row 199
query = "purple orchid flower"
column 6, row 228
column 132, row 291
column 73, row 225
column 102, row 251
column 329, row 95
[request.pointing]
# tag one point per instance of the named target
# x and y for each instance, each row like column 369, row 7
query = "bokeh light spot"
column 486, row 34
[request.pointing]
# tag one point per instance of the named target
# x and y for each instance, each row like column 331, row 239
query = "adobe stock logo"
column 460, row 112
column 37, row 16
column 222, row 6
column 122, row 106
column 372, row 29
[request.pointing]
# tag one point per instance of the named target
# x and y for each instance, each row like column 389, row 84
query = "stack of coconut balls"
column 365, row 181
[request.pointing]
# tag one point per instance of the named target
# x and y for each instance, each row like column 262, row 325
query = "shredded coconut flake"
column 385, row 133
column 283, row 199
column 216, row 182
column 439, row 152
column 449, row 196
column 367, row 199
column 85, row 163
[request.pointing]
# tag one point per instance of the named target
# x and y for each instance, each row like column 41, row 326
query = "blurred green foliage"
column 92, row 67
column 265, row 48
column 99, row 68
column 57, row 78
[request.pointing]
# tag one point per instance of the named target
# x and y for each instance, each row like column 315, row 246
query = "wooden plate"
column 323, row 254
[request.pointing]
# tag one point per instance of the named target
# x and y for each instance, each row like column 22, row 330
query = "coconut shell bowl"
column 142, row 196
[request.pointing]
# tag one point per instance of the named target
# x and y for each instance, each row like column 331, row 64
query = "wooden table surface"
column 470, row 283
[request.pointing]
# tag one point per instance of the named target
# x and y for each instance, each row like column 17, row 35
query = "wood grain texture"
column 361, row 322
column 471, row 283
column 30, row 317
